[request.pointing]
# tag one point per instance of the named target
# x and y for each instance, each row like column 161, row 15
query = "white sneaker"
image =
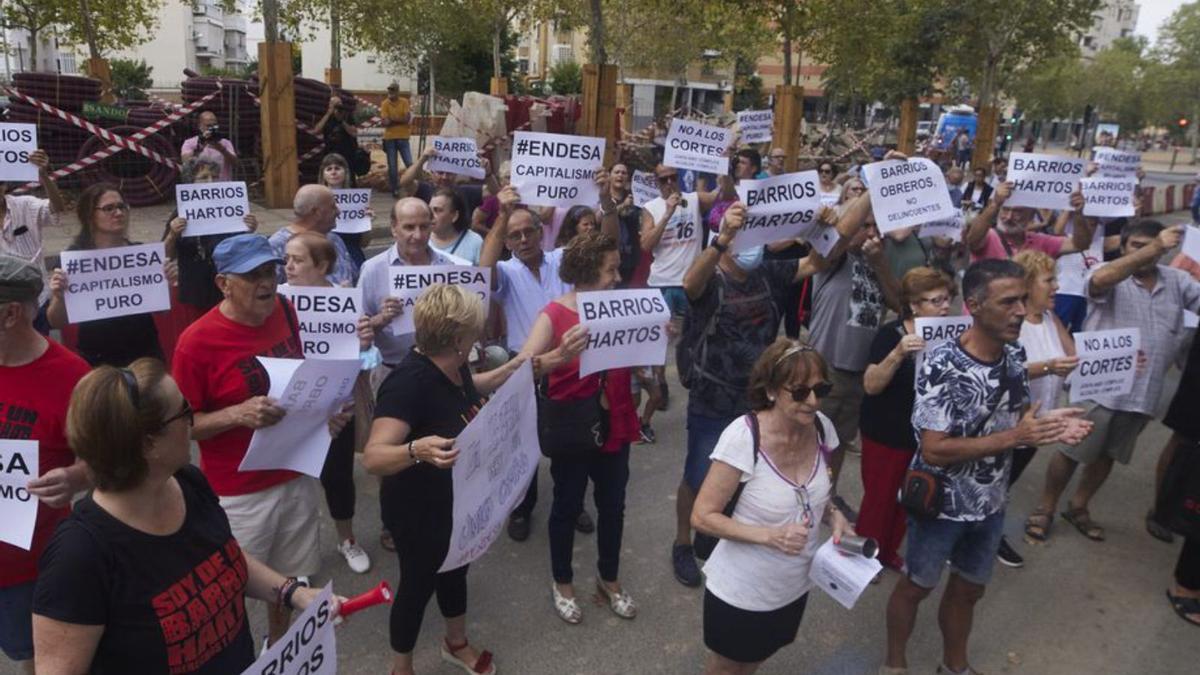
column 355, row 556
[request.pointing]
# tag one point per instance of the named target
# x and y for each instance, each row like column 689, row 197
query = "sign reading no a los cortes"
column 699, row 147
column 556, row 169
column 212, row 208
column 110, row 282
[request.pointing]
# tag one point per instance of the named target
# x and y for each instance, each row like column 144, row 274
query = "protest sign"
column 1190, row 319
column 311, row 391
column 1043, row 181
column 1073, row 268
column 328, row 318
column 625, row 328
column 756, row 125
column 1105, row 197
column 556, row 169
column 1191, row 242
column 1109, row 129
column 645, row 187
column 498, row 452
column 936, row 330
column 212, row 208
column 309, row 647
column 907, row 192
column 352, row 205
column 409, row 283
column 951, row 228
column 823, row 238
column 699, row 147
column 777, row 208
column 1107, row 363
column 843, row 576
column 18, row 508
column 108, row 282
column 456, row 155
column 17, row 143
column 1113, row 162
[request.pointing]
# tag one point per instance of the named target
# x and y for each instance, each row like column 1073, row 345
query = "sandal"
column 385, row 540
column 1037, row 525
column 567, row 608
column 1157, row 530
column 1082, row 521
column 620, row 602
column 483, row 664
column 1185, row 606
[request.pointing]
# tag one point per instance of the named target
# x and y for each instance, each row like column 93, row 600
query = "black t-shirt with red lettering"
column 169, row 604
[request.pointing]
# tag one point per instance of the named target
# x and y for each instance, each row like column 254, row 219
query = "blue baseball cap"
column 242, row 253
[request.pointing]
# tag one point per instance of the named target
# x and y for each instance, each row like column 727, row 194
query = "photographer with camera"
column 209, row 144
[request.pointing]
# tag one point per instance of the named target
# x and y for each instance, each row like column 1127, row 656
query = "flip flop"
column 1185, row 606
column 1082, row 521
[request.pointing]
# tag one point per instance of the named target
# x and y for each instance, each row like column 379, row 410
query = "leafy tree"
column 107, row 25
column 566, row 77
column 1177, row 79
column 34, row 16
column 131, row 78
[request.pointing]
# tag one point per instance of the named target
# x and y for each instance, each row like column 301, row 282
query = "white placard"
column 843, row 576
column 311, row 391
column 456, row 155
column 108, row 282
column 625, row 328
column 17, row 143
column 1105, row 197
column 1191, row 242
column 1190, row 319
column 309, row 647
column 1113, row 162
column 328, row 318
column 1107, row 363
column 938, row 329
column 556, row 169
column 498, row 452
column 1043, row 181
column 645, row 187
column 756, row 125
column 212, row 208
column 699, row 147
column 823, row 238
column 409, row 283
column 777, row 208
column 352, row 204
column 951, row 228
column 18, row 508
column 1073, row 268
column 907, row 192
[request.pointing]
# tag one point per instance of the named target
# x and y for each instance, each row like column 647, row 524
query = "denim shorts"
column 16, row 621
column 676, row 298
column 703, row 432
column 970, row 546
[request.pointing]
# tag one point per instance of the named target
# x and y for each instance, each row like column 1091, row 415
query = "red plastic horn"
column 380, row 595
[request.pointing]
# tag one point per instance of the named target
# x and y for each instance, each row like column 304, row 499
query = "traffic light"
column 1183, row 122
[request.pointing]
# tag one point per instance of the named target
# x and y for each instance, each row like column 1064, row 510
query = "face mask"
column 750, row 259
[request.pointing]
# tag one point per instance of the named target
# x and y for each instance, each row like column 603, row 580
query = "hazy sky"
column 1153, row 13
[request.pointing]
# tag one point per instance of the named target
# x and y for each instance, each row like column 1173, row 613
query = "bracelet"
column 1045, row 367
column 284, row 595
column 717, row 246
column 411, row 454
column 291, row 591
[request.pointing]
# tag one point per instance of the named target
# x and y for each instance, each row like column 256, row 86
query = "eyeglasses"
column 779, row 157
column 667, row 179
column 805, row 504
column 936, row 301
column 185, row 411
column 521, row 235
column 856, row 189
column 825, row 171
column 113, row 208
column 800, row 394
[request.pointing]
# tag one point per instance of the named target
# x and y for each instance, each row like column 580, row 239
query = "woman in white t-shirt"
column 757, row 576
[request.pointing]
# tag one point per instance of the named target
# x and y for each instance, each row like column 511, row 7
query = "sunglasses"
column 667, row 179
column 800, row 394
column 827, row 171
column 185, row 411
column 113, row 208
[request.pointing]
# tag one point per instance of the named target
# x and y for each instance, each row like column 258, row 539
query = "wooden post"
column 281, row 173
column 906, row 134
column 333, row 77
column 98, row 68
column 985, row 137
column 625, row 106
column 789, row 115
column 499, row 86
column 728, row 102
column 600, row 106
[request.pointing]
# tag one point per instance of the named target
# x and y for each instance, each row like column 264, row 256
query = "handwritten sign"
column 699, row 147
column 212, row 208
column 328, row 319
column 756, row 125
column 1105, row 197
column 110, row 282
column 410, row 282
column 18, row 508
column 1043, row 181
column 556, row 169
column 311, row 391
column 1107, row 363
column 309, row 647
column 498, row 453
column 777, row 208
column 456, row 155
column 906, row 193
column 352, row 205
column 625, row 328
column 17, row 143
column 1113, row 162
column 645, row 187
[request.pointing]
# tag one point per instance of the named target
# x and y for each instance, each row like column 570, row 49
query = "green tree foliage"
column 566, row 77
column 34, row 16
column 131, row 78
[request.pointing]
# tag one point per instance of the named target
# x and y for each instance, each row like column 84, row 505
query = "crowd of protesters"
column 769, row 417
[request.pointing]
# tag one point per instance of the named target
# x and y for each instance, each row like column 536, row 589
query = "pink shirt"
column 994, row 248
column 189, row 148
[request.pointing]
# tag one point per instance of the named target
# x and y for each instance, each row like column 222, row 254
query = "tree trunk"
column 33, row 49
column 89, row 30
column 335, row 37
column 497, row 33
column 599, row 55
column 787, row 60
column 270, row 13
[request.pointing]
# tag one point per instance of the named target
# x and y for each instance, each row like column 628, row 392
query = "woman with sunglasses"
column 774, row 459
column 145, row 575
column 885, row 422
column 116, row 341
column 830, row 191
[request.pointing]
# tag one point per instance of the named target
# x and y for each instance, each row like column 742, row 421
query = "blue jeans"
column 609, row 472
column 390, row 147
column 16, row 621
column 970, row 546
column 702, row 435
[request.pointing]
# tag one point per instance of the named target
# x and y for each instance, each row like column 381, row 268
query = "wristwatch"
column 718, row 246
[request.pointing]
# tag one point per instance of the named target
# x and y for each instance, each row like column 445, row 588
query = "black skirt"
column 1181, row 416
column 749, row 637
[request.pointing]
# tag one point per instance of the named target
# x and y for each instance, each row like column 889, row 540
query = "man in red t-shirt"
column 1011, row 235
column 36, row 379
column 273, row 513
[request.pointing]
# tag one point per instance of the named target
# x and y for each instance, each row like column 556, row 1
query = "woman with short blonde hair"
column 445, row 317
